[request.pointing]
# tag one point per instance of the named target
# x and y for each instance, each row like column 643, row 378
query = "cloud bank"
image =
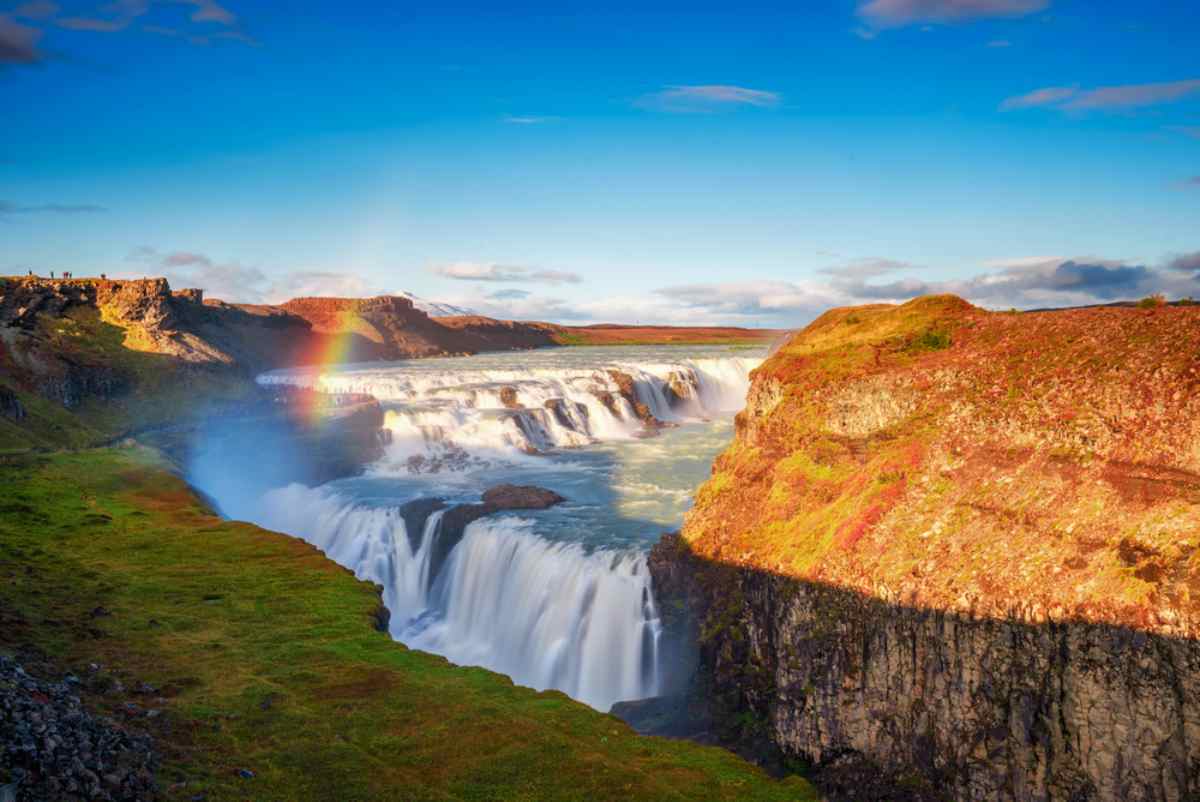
column 1025, row 283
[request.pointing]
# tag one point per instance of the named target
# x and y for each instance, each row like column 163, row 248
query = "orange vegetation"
column 1041, row 465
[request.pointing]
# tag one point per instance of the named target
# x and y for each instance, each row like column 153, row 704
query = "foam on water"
column 501, row 406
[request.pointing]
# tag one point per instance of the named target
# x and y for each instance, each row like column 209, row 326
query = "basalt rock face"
column 952, row 554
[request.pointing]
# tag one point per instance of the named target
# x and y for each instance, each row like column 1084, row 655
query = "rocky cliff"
column 390, row 327
column 952, row 554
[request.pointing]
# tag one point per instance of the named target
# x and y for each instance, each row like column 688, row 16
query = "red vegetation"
column 994, row 461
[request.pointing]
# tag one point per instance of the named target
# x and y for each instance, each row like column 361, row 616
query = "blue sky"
column 670, row 162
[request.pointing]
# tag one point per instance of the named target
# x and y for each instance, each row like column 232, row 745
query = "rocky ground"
column 51, row 747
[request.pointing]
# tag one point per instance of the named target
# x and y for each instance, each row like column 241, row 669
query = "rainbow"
column 330, row 346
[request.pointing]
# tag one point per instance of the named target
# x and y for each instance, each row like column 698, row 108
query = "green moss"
column 931, row 341
column 275, row 666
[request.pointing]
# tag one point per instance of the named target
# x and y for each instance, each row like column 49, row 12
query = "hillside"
column 255, row 665
column 613, row 334
column 962, row 545
column 391, row 328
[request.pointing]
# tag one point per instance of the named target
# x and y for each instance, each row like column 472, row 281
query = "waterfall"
column 549, row 614
column 556, row 599
column 443, row 416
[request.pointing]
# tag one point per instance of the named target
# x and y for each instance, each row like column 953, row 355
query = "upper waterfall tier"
column 444, row 415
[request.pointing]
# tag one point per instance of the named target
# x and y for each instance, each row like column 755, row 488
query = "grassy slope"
column 241, row 615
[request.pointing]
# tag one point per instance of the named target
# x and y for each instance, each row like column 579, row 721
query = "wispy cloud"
column 1049, row 96
column 18, row 43
column 236, row 282
column 1186, row 263
column 899, row 13
column 231, row 281
column 529, row 119
column 508, row 295
column 707, row 98
column 477, row 271
column 93, row 24
column 210, row 11
column 36, row 9
column 206, row 22
column 7, row 208
column 109, row 18
column 999, row 43
column 1186, row 130
column 866, row 268
column 1128, row 96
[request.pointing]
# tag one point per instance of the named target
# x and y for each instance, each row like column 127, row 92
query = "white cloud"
column 1127, row 96
column 491, row 272
column 707, row 98
column 899, row 13
column 529, row 119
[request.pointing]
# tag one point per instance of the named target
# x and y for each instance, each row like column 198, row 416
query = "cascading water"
column 559, row 598
column 494, row 408
column 548, row 614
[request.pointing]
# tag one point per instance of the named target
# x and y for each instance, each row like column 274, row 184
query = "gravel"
column 52, row 748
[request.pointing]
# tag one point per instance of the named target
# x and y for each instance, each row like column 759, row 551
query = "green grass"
column 229, row 616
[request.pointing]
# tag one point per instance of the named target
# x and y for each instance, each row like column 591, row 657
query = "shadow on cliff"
column 877, row 700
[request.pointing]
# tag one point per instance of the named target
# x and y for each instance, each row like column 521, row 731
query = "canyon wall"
column 952, row 554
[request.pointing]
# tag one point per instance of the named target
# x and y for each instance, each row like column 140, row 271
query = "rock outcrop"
column 496, row 499
column 952, row 554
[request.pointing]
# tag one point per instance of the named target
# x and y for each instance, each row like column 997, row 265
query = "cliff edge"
column 958, row 549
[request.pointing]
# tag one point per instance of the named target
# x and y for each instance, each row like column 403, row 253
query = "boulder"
column 495, row 499
column 520, row 497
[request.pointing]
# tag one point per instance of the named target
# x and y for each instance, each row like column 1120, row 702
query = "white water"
column 442, row 407
column 559, row 598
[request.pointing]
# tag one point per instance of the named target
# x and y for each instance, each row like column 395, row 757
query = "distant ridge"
column 436, row 308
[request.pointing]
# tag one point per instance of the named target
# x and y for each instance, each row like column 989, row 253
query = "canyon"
column 948, row 554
